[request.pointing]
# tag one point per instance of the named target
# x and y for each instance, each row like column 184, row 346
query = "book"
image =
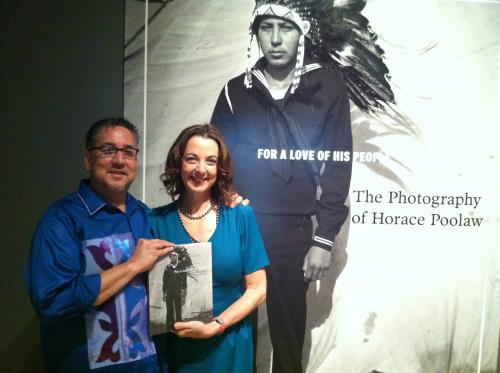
column 180, row 287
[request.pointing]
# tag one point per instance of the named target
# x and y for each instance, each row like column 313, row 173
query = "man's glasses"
column 109, row 151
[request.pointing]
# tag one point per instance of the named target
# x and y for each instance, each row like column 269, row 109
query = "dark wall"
column 61, row 68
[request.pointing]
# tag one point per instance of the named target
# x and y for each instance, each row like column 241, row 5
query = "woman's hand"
column 236, row 199
column 196, row 329
column 255, row 293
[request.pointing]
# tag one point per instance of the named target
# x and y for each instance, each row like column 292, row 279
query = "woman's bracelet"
column 222, row 324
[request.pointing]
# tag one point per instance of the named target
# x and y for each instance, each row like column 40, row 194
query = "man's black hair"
column 98, row 126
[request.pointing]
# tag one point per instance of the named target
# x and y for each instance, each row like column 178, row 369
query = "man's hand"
column 115, row 278
column 196, row 329
column 236, row 199
column 316, row 263
column 147, row 252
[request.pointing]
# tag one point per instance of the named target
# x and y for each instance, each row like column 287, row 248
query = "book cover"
column 180, row 287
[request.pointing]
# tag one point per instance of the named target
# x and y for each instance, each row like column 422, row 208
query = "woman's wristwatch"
column 222, row 324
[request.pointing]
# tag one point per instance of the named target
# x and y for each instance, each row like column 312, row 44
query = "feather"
column 348, row 42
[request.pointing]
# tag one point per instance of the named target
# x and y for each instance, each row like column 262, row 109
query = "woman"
column 198, row 176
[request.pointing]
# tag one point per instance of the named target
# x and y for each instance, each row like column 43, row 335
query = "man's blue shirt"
column 80, row 236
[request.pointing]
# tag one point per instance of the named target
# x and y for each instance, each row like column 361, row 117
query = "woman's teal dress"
column 237, row 250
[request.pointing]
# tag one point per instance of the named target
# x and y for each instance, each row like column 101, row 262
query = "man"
column 85, row 273
column 172, row 285
column 288, row 127
column 175, row 284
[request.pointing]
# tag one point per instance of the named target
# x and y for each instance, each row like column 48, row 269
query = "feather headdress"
column 338, row 34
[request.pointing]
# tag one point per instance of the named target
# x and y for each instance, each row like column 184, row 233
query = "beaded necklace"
column 183, row 211
column 190, row 217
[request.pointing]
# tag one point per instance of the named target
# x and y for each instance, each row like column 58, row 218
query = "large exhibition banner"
column 414, row 284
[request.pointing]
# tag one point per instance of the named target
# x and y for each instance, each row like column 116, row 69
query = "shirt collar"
column 309, row 65
column 258, row 71
column 93, row 202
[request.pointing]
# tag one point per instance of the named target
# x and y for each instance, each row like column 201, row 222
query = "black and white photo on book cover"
column 180, row 287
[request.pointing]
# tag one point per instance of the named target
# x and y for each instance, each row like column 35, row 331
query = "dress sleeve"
column 54, row 273
column 335, row 180
column 254, row 252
